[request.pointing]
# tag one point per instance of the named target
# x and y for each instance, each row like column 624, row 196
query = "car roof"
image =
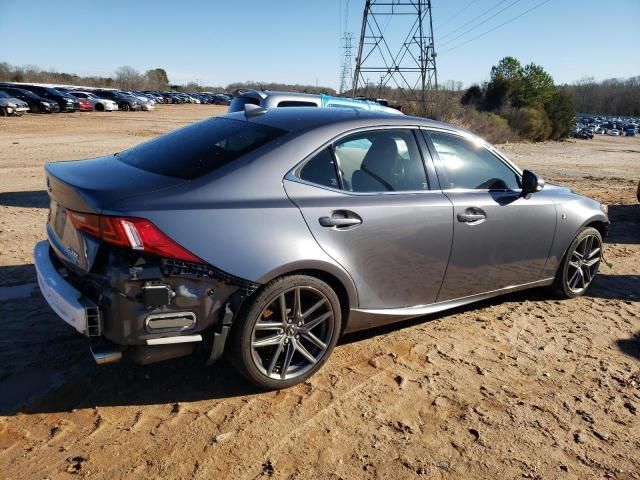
column 309, row 118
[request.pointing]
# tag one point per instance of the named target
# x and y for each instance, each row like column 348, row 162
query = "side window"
column 320, row 170
column 381, row 161
column 470, row 166
column 296, row 103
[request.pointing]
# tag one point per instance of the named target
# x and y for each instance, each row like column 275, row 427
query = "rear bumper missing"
column 124, row 312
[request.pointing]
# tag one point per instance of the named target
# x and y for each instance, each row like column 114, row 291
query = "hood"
column 12, row 100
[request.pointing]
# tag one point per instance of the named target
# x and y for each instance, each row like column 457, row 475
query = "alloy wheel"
column 292, row 333
column 584, row 263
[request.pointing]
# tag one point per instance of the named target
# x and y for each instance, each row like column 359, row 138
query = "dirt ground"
column 523, row 386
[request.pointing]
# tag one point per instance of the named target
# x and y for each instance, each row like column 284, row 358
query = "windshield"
column 4, row 95
column 199, row 149
column 52, row 91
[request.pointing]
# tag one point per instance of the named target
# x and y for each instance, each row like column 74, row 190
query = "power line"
column 450, row 19
column 496, row 27
column 448, row 42
column 472, row 20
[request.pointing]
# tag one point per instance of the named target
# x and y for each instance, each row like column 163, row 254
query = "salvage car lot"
column 523, row 385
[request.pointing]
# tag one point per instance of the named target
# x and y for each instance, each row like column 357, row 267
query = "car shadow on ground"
column 46, row 366
column 31, row 199
column 630, row 346
column 625, row 224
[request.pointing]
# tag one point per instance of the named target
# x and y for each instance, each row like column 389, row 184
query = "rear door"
column 374, row 208
column 500, row 238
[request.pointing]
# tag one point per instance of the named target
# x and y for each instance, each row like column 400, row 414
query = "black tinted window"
column 320, row 170
column 199, row 149
column 296, row 103
column 381, row 161
column 467, row 165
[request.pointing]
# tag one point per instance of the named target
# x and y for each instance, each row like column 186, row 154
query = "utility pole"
column 408, row 66
column 346, row 67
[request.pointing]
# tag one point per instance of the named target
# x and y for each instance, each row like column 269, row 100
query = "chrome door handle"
column 472, row 215
column 341, row 219
column 339, row 222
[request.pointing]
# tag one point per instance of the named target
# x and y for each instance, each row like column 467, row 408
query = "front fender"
column 574, row 212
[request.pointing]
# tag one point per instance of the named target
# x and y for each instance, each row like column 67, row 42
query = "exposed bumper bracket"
column 220, row 338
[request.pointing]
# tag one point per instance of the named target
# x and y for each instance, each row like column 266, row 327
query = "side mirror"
column 531, row 183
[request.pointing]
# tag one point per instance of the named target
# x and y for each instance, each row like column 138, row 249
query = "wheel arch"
column 336, row 278
column 598, row 224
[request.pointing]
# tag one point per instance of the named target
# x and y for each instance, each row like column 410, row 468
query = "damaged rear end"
column 119, row 279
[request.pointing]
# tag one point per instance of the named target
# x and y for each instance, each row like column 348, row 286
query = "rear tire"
column 3, row 112
column 579, row 265
column 124, row 107
column 287, row 332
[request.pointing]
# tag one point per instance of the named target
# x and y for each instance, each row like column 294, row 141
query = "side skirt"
column 362, row 319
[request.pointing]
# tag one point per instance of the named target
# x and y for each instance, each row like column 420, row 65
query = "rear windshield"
column 199, row 149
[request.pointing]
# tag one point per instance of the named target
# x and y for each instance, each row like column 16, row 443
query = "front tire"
column 579, row 265
column 124, row 107
column 287, row 332
column 99, row 107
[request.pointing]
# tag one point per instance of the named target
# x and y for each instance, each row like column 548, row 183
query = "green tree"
column 497, row 95
column 537, row 87
column 473, row 96
column 561, row 113
column 509, row 68
column 531, row 123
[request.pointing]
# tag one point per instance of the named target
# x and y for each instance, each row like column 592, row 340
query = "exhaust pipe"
column 102, row 356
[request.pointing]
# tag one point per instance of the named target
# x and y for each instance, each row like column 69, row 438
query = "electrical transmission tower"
column 346, row 69
column 407, row 65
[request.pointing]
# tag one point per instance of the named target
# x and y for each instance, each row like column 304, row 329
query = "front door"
column 367, row 202
column 500, row 239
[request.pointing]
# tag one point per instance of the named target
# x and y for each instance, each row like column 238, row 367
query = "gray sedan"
column 266, row 235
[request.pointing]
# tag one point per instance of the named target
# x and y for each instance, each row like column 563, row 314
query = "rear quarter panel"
column 240, row 220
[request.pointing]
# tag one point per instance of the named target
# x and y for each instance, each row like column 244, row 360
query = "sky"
column 218, row 42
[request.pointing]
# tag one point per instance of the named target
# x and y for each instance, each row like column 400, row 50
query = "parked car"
column 614, row 132
column 12, row 106
column 268, row 234
column 630, row 132
column 100, row 104
column 86, row 105
column 145, row 103
column 269, row 99
column 125, row 102
column 66, row 102
column 583, row 134
column 37, row 104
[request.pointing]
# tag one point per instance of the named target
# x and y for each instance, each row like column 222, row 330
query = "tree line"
column 614, row 96
column 128, row 78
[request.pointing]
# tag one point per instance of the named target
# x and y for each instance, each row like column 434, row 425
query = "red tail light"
column 136, row 233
